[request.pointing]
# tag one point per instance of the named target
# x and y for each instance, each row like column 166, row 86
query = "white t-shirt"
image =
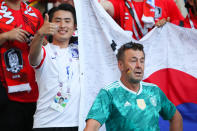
column 50, row 74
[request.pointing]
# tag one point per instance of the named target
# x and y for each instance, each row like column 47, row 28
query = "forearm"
column 35, row 49
column 176, row 126
column 108, row 6
column 92, row 125
column 90, row 128
column 176, row 123
column 3, row 38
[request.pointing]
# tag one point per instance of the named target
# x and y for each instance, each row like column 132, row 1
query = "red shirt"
column 186, row 22
column 164, row 9
column 15, row 69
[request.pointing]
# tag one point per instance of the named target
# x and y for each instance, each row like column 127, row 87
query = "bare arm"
column 17, row 34
column 3, row 38
column 176, row 123
column 36, row 44
column 108, row 6
column 92, row 125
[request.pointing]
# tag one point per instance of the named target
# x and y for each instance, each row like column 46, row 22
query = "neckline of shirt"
column 133, row 92
column 59, row 51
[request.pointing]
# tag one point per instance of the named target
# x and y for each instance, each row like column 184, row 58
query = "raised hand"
column 48, row 28
column 17, row 34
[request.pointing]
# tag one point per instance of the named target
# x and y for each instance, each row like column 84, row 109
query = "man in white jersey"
column 57, row 72
column 130, row 104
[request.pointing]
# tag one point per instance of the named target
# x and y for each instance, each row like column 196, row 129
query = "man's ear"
column 120, row 65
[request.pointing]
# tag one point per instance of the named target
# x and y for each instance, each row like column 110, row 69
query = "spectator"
column 57, row 72
column 139, row 16
column 191, row 19
column 130, row 104
column 71, row 2
column 18, row 23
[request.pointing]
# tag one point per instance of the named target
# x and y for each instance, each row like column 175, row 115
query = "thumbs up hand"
column 48, row 28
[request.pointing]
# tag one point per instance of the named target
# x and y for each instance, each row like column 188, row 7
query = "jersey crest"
column 141, row 104
column 13, row 60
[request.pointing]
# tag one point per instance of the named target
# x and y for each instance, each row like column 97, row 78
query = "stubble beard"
column 132, row 80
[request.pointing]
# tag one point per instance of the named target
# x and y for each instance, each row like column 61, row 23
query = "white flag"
column 168, row 50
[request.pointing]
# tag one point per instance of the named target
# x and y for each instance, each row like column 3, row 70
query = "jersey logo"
column 74, row 51
column 141, row 104
column 6, row 13
column 158, row 12
column 13, row 60
column 127, row 104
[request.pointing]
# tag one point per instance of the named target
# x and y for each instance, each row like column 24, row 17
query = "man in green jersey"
column 130, row 104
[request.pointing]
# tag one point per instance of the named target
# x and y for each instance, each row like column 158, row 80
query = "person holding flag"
column 191, row 20
column 140, row 16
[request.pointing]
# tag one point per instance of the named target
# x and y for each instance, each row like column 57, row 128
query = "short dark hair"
column 65, row 7
column 127, row 46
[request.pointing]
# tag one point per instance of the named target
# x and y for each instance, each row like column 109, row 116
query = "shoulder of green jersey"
column 148, row 84
column 112, row 85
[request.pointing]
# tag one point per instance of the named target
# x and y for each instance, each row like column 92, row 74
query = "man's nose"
column 62, row 24
column 138, row 64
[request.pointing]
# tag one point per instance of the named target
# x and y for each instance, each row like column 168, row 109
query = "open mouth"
column 138, row 73
column 62, row 31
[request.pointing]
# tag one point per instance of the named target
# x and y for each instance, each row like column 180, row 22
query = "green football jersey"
column 124, row 110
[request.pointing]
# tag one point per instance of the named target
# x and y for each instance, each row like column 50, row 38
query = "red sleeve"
column 43, row 58
column 40, row 18
column 173, row 11
column 116, row 4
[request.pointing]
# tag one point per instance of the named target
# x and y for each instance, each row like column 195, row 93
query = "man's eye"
column 142, row 61
column 57, row 20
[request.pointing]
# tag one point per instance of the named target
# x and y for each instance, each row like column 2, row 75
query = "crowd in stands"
column 30, row 72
